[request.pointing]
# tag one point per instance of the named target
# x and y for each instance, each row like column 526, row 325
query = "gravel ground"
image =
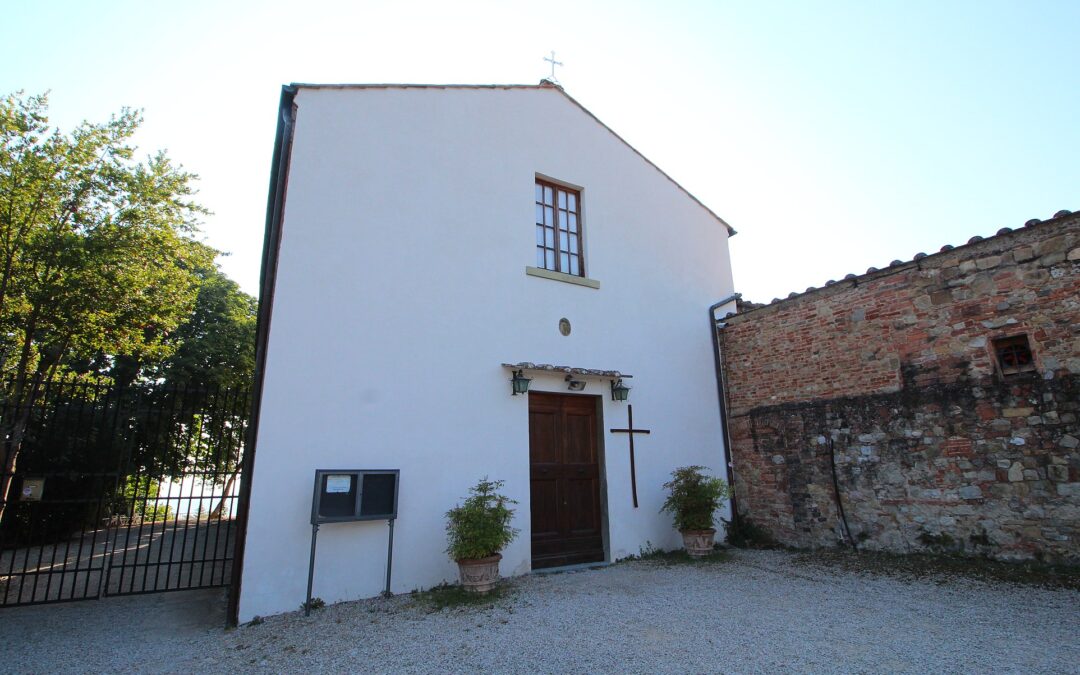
column 757, row 611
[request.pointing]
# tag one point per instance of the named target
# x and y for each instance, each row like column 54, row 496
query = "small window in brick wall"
column 1014, row 355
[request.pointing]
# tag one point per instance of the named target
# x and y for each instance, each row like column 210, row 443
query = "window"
column 558, row 229
column 1014, row 355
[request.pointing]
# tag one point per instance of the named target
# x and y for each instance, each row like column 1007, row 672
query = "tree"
column 216, row 352
column 215, row 346
column 97, row 252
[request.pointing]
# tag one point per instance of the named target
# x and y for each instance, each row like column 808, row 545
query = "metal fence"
column 118, row 490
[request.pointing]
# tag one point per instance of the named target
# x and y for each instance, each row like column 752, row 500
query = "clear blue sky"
column 832, row 135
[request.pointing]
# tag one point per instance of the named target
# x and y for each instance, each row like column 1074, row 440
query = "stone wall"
column 890, row 381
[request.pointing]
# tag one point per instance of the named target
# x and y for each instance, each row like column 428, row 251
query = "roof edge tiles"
column 899, row 265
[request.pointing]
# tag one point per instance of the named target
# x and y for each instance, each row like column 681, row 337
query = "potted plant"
column 693, row 498
column 478, row 530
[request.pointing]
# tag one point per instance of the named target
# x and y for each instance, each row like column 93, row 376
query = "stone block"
column 1017, row 412
column 1056, row 244
column 1074, row 255
column 1068, row 441
column 1051, row 259
column 983, row 284
column 1057, row 473
column 988, row 262
column 1068, row 489
column 1023, row 253
column 1016, row 472
column 971, row 492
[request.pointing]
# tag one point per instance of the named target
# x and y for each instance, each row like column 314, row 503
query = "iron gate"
column 112, row 490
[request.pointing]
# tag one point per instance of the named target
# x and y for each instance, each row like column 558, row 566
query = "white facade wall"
column 402, row 289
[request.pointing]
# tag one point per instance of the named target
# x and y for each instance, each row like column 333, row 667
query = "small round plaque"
column 564, row 326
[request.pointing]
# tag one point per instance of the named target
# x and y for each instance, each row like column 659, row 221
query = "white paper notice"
column 338, row 483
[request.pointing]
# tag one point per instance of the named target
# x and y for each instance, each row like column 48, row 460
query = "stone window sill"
column 559, row 276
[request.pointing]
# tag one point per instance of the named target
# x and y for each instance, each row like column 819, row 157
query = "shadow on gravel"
column 941, row 568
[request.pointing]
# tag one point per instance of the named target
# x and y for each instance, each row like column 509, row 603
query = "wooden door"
column 565, row 480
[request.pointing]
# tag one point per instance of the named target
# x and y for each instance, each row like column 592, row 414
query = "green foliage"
column 693, row 497
column 678, row 557
column 447, row 596
column 215, row 346
column 480, row 527
column 315, row 604
column 102, row 275
column 140, row 499
column 97, row 250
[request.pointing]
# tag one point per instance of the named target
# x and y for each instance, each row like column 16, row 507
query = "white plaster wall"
column 402, row 288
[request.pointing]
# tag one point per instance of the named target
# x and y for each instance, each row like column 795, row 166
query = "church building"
column 427, row 246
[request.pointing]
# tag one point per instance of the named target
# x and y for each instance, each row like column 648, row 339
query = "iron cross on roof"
column 553, row 63
column 630, row 431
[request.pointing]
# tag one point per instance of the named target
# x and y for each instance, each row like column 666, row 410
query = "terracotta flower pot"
column 480, row 575
column 698, row 543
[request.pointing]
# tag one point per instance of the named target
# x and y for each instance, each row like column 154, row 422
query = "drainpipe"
column 714, row 328
column 279, row 178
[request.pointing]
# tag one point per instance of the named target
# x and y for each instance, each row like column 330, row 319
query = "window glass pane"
column 563, row 244
column 539, row 235
column 575, row 268
column 564, row 262
column 573, row 202
column 562, row 199
column 539, row 192
column 573, row 245
column 539, row 214
column 549, row 215
column 539, row 257
column 547, row 195
column 550, row 263
column 573, row 222
column 549, row 237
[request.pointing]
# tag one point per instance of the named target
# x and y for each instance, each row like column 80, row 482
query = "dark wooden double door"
column 565, row 480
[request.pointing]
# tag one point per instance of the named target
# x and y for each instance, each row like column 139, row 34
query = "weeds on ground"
column 943, row 567
column 677, row 557
column 453, row 596
column 748, row 534
column 316, row 603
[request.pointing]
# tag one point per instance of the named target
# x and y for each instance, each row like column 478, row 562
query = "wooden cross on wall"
column 630, row 431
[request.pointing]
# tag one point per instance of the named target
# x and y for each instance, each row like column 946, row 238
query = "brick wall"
column 892, row 378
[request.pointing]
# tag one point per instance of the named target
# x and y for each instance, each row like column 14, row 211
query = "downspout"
column 275, row 206
column 714, row 329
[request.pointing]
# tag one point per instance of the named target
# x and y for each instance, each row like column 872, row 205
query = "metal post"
column 311, row 569
column 389, row 559
column 106, row 565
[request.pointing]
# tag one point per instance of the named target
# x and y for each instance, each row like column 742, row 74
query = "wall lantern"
column 520, row 382
column 619, row 391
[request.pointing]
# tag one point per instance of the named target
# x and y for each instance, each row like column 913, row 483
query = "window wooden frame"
column 1014, row 355
column 559, row 244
